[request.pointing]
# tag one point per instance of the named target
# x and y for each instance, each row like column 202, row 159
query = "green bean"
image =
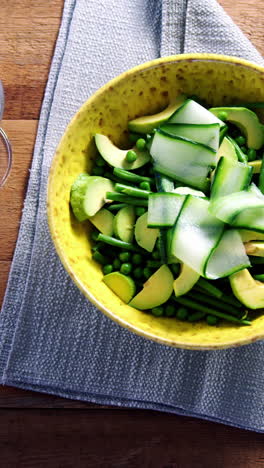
column 257, row 260
column 132, row 191
column 98, row 257
column 261, row 177
column 130, row 176
column 202, row 308
column 210, row 288
column 116, row 206
column 259, row 277
column 109, row 175
column 118, row 243
column 120, row 197
column 196, row 316
column 242, row 157
column 153, row 264
column 224, row 297
column 215, row 303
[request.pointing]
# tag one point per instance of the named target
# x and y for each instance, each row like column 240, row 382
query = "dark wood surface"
column 38, row 430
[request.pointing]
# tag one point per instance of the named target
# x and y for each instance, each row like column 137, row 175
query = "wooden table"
column 39, row 430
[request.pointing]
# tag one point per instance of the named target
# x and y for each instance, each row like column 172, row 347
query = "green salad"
column 178, row 219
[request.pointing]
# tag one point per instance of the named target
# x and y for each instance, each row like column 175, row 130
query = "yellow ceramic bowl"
column 145, row 89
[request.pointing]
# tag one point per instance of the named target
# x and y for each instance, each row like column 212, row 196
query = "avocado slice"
column 147, row 123
column 156, row 290
column 247, row 121
column 88, row 195
column 247, row 290
column 117, row 157
column 248, row 236
column 145, row 237
column 256, row 165
column 124, row 223
column 255, row 248
column 185, row 281
column 103, row 220
column 227, row 150
column 123, row 286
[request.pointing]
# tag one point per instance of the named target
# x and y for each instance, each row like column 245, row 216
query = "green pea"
column 98, row 171
column 140, row 210
column 116, row 264
column 182, row 313
column 252, row 154
column 175, row 267
column 98, row 257
column 144, row 185
column 107, row 269
column 100, row 161
column 157, row 311
column 140, row 144
column 244, row 149
column 147, row 272
column 222, row 115
column 126, row 268
column 138, row 273
column 131, row 156
column 136, row 259
column 156, row 255
column 169, row 310
column 240, row 140
column 125, row 256
column 212, row 320
column 94, row 236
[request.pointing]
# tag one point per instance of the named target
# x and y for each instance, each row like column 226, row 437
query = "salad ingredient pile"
column 183, row 212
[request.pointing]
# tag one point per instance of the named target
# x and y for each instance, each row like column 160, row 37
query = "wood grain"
column 71, row 433
column 122, row 439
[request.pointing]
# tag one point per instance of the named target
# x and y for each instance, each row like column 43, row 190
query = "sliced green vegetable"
column 247, row 121
column 156, row 291
column 185, row 281
column 131, row 176
column 243, row 209
column 88, row 195
column 123, row 223
column 117, row 157
column 181, row 159
column 123, row 286
column 163, row 209
column 147, row 123
column 145, row 236
column 103, row 220
column 230, row 176
column 207, row 134
column 193, row 113
column 120, row 197
column 248, row 290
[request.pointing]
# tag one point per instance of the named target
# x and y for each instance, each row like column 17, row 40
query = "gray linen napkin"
column 51, row 338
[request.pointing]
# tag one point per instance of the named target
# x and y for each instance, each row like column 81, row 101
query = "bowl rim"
column 191, row 57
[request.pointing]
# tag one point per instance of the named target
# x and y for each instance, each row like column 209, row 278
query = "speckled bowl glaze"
column 145, row 89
